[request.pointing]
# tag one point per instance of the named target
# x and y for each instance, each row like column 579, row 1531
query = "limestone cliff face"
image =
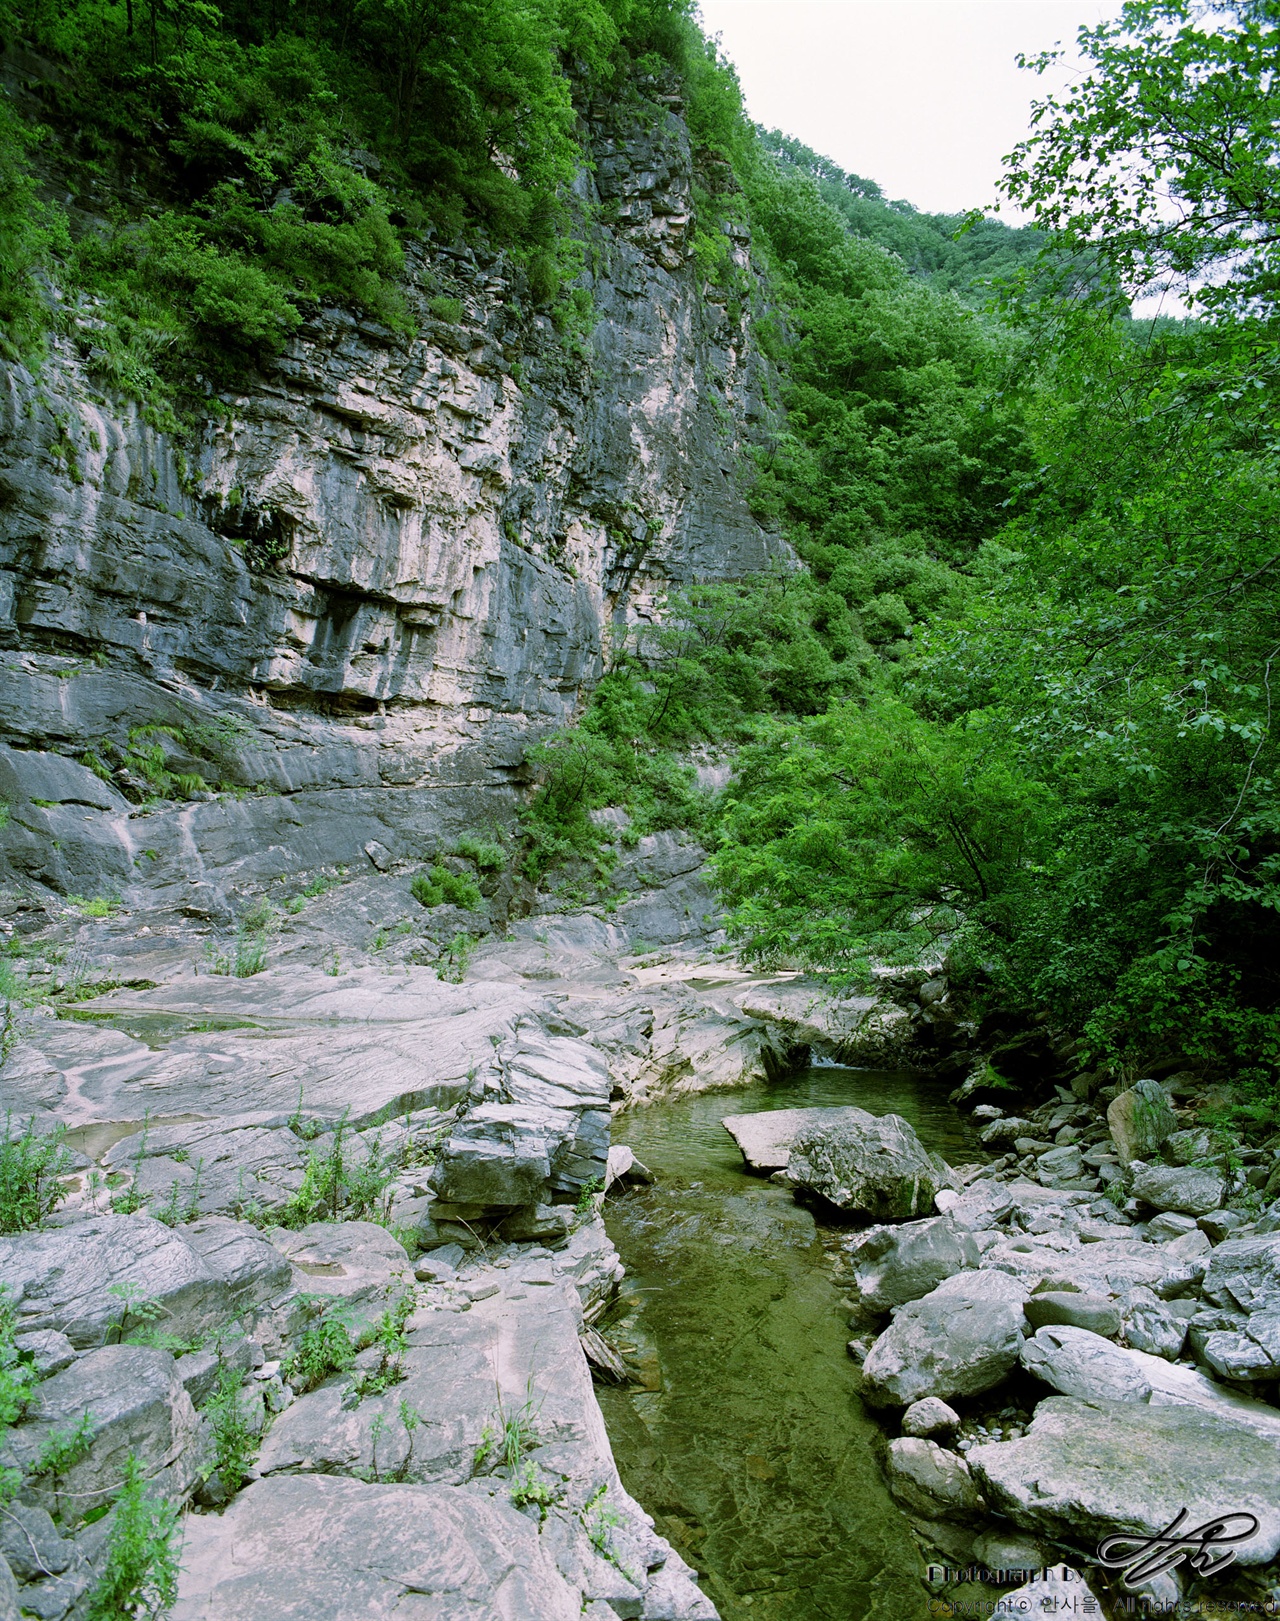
column 383, row 571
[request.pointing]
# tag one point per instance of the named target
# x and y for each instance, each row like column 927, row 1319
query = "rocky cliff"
column 350, row 601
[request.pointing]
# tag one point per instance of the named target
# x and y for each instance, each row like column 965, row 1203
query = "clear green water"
column 756, row 1456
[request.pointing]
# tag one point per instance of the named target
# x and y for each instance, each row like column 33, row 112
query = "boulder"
column 930, row 1417
column 928, row 1479
column 877, row 1168
column 766, row 1138
column 1185, row 1147
column 1181, row 1187
column 960, row 1340
column 1149, row 1325
column 1097, row 1313
column 1251, row 1353
column 1106, row 1267
column 80, row 1279
column 1079, row 1363
column 135, row 1403
column 1246, row 1271
column 300, row 1546
column 892, row 1265
column 9, row 1610
column 1140, row 1120
column 1060, row 1165
column 979, row 1207
column 31, row 1544
column 224, row 1166
column 1086, row 1470
column 1003, row 1133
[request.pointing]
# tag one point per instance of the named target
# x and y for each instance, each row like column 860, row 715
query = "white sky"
column 922, row 96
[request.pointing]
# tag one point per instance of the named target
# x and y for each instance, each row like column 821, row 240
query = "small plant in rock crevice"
column 139, row 1580
column 235, row 1446
column 390, row 1338
column 323, row 1349
column 32, row 1165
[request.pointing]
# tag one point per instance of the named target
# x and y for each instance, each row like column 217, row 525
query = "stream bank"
column 756, row 1456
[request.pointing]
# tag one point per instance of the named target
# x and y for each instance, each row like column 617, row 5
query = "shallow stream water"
column 755, row 1456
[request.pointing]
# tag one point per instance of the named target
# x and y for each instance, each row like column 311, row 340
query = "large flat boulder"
column 766, row 1137
column 322, row 1548
column 877, row 1168
column 1090, row 1469
column 352, row 1262
column 959, row 1340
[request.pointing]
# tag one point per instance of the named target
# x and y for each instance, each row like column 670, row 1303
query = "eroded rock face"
column 1140, row 1120
column 892, row 1265
column 298, row 1546
column 877, row 1168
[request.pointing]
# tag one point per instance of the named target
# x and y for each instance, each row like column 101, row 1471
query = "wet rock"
column 1182, row 1188
column 1096, row 1313
column 927, row 1479
column 930, row 1417
column 299, row 1545
column 960, row 1340
column 766, row 1138
column 1088, row 1469
column 876, row 1168
column 892, row 1265
column 1140, row 1120
column 1004, row 1132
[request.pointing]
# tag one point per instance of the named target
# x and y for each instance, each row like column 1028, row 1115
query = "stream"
column 752, row 1449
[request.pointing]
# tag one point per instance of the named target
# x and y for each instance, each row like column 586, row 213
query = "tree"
column 1164, row 160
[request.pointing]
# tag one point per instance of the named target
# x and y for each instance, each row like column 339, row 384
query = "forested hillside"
column 1016, row 703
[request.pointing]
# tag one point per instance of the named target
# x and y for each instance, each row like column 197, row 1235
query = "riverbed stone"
column 355, row 1262
column 959, row 1340
column 1140, row 1120
column 1150, row 1325
column 1060, row 1166
column 892, row 1265
column 1056, row 1590
column 930, row 1480
column 1177, row 1187
column 877, row 1168
column 1097, row 1313
column 1252, row 1353
column 1245, row 1271
column 766, row 1137
column 77, row 1279
column 930, row 1417
column 1089, row 1469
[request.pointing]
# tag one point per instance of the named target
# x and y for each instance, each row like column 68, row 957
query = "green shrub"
column 440, row 887
column 140, row 1571
column 235, row 1446
column 488, row 857
column 31, row 1167
column 446, row 309
column 322, row 1350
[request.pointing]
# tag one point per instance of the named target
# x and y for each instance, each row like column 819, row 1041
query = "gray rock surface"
column 959, row 1340
column 1245, row 1272
column 1088, row 1469
column 80, row 1279
column 876, row 1168
column 930, row 1417
column 1097, row 1313
column 928, row 1479
column 892, row 1265
column 1177, row 1187
column 766, row 1138
column 1140, row 1120
column 300, row 1546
